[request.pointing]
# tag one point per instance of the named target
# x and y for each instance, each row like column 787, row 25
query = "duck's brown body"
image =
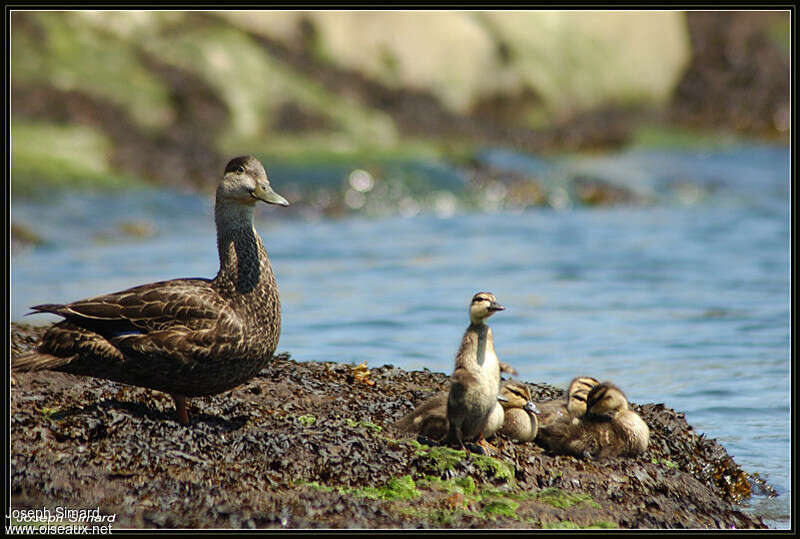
column 187, row 337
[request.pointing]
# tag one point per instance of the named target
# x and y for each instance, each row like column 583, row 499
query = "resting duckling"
column 186, row 337
column 573, row 406
column 430, row 418
column 608, row 429
column 520, row 422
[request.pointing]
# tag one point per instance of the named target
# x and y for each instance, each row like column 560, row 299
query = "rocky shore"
column 312, row 445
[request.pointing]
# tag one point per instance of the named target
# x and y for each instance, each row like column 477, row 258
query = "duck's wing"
column 178, row 304
column 180, row 319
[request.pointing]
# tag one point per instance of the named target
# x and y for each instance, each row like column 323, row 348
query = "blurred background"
column 620, row 180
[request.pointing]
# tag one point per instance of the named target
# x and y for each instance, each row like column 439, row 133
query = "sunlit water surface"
column 682, row 303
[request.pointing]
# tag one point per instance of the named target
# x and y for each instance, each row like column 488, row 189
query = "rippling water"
column 686, row 301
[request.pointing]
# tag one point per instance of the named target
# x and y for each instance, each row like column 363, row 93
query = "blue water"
column 684, row 301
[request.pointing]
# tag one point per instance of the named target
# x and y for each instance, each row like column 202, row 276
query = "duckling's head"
column 605, row 401
column 245, row 182
column 578, row 392
column 517, row 395
column 483, row 305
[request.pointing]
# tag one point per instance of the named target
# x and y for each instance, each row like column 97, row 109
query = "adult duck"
column 187, row 337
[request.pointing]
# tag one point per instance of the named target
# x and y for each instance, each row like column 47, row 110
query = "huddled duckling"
column 609, row 428
column 520, row 422
column 430, row 418
column 475, row 382
column 573, row 406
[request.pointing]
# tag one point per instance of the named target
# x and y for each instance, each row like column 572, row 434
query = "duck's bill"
column 502, row 398
column 266, row 194
column 531, row 407
column 496, row 307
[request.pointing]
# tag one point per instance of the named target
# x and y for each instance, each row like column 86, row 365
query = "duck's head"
column 517, row 395
column 483, row 305
column 605, row 401
column 245, row 182
column 578, row 393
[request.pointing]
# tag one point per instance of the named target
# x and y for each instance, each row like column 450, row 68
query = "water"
column 685, row 302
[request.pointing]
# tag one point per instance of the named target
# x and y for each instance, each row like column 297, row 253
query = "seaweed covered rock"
column 313, row 445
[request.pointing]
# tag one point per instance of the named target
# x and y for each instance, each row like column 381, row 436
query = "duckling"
column 430, row 418
column 608, row 429
column 573, row 406
column 474, row 384
column 520, row 422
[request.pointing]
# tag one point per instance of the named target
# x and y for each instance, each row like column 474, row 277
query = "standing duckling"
column 430, row 418
column 608, row 429
column 474, row 384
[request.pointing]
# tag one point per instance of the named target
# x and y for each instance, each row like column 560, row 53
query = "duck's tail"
column 37, row 361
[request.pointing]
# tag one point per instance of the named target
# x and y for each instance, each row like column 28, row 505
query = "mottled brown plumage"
column 607, row 429
column 186, row 337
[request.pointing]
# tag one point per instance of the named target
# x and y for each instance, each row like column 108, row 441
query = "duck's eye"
column 240, row 169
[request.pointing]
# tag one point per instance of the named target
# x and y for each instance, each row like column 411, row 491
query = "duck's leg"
column 489, row 448
column 180, row 408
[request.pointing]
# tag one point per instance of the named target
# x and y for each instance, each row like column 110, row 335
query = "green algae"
column 307, row 420
column 498, row 469
column 461, row 485
column 569, row 525
column 369, row 426
column 397, row 488
column 444, row 458
column 665, row 462
column 48, row 412
column 500, row 507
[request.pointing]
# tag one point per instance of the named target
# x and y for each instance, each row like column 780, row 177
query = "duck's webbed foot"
column 488, row 448
column 180, row 408
column 475, row 448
